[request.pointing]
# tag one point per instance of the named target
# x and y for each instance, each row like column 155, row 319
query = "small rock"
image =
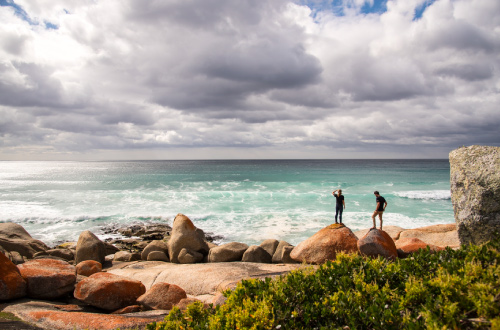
column 88, row 267
column 126, row 256
column 219, row 299
column 256, row 253
column 285, row 255
column 189, row 257
column 108, row 291
column 154, row 246
column 162, row 296
column 157, row 256
column 129, row 309
column 278, row 254
column 409, row 245
column 48, row 278
column 227, row 252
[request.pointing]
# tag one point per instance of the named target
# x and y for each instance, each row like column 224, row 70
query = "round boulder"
column 89, row 247
column 325, row 244
column 12, row 284
column 185, row 235
column 157, row 256
column 126, row 256
column 48, row 278
column 278, row 254
column 154, row 246
column 88, row 267
column 270, row 245
column 189, row 257
column 408, row 245
column 377, row 243
column 14, row 237
column 256, row 253
column 162, row 296
column 227, row 252
column 108, row 291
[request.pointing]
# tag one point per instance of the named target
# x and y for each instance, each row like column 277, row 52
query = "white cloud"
column 247, row 78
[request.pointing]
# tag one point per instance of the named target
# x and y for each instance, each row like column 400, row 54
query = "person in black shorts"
column 379, row 210
column 340, row 206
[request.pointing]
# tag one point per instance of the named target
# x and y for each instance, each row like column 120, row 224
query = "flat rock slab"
column 439, row 235
column 47, row 316
column 199, row 279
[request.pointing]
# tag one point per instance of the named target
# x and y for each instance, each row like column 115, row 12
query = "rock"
column 256, row 253
column 270, row 245
column 154, row 246
column 89, row 247
column 17, row 258
column 475, row 193
column 12, row 284
column 48, row 278
column 219, row 299
column 189, row 257
column 157, row 256
column 278, row 254
column 285, row 255
column 409, row 245
column 325, row 244
column 110, row 249
column 162, row 296
column 108, row 291
column 65, row 254
column 377, row 243
column 128, row 309
column 393, row 231
column 14, row 237
column 227, row 252
column 185, row 235
column 440, row 235
column 126, row 256
column 184, row 303
column 88, row 267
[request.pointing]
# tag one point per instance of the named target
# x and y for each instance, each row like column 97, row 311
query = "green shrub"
column 450, row 289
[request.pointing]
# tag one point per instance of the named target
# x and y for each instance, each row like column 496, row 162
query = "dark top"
column 380, row 200
column 339, row 199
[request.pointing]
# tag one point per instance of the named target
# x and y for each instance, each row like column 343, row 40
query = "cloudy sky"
column 191, row 79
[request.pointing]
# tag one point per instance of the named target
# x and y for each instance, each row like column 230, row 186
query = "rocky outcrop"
column 89, row 247
column 475, row 193
column 278, row 253
column 409, row 245
column 440, row 235
column 88, row 267
column 108, row 291
column 256, row 253
column 377, row 243
column 14, row 237
column 48, row 278
column 227, row 252
column 12, row 284
column 185, row 235
column 162, row 296
column 325, row 244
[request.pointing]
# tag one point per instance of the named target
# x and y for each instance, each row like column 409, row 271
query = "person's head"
column 376, row 193
column 340, row 191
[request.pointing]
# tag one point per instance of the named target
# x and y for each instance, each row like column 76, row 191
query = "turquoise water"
column 246, row 201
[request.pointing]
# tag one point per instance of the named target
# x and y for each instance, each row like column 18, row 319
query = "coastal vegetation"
column 449, row 289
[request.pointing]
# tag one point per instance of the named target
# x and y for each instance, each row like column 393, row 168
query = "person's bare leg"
column 373, row 218
column 380, row 217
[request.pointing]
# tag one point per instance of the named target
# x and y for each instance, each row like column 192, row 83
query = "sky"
column 247, row 79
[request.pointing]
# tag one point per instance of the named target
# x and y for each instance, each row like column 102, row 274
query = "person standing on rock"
column 379, row 210
column 340, row 206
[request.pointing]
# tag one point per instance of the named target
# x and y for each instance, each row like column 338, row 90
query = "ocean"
column 241, row 200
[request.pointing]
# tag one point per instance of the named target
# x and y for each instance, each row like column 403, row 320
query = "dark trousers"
column 338, row 210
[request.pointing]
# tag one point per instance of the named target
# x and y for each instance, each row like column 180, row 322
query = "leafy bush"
column 450, row 289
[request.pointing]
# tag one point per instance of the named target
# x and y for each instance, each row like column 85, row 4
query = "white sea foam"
column 425, row 194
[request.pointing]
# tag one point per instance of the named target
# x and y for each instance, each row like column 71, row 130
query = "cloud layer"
column 244, row 79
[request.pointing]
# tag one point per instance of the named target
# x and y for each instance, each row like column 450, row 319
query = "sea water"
column 241, row 200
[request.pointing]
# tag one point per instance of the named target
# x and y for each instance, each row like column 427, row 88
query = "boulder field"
column 135, row 286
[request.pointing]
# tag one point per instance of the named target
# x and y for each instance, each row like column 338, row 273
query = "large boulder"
column 12, row 284
column 185, row 235
column 270, row 245
column 162, row 296
column 475, row 193
column 227, row 252
column 89, row 247
column 256, row 253
column 278, row 253
column 325, row 244
column 393, row 231
column 108, row 291
column 48, row 278
column 377, row 243
column 14, row 237
column 409, row 245
column 440, row 235
column 157, row 245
